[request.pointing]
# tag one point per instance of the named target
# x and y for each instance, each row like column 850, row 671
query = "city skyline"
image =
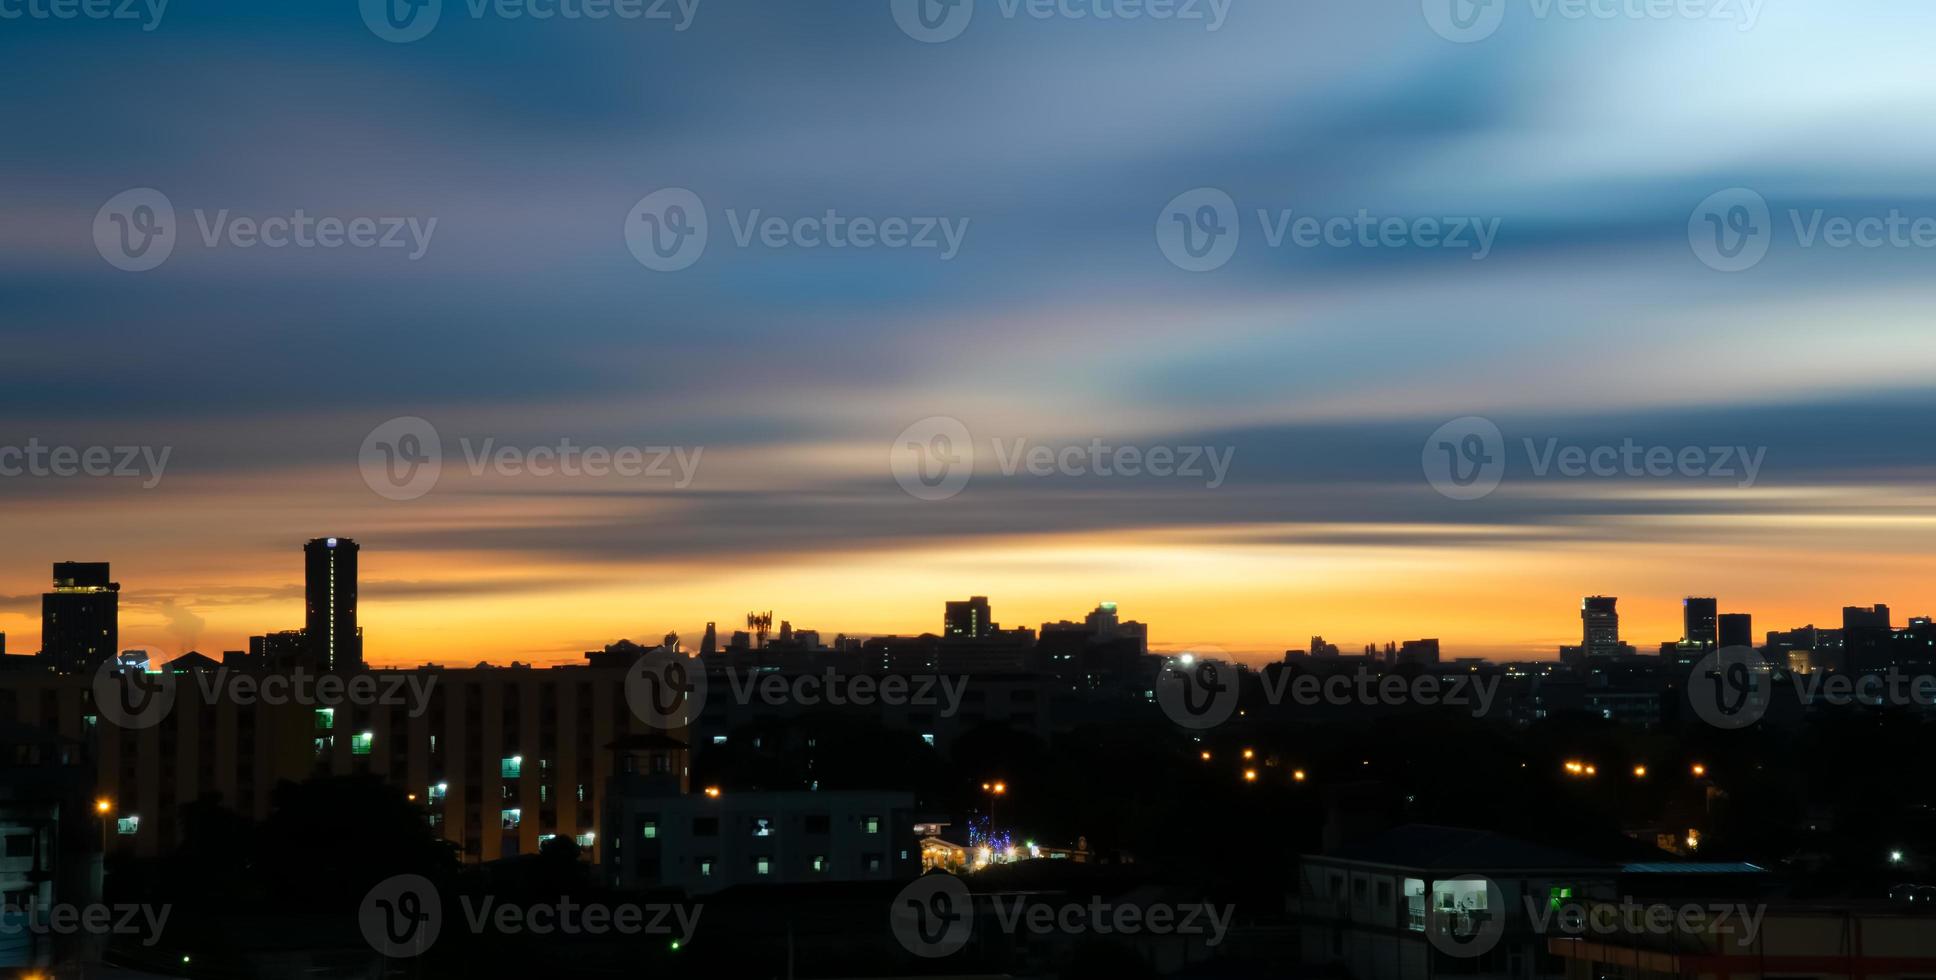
column 1636, row 623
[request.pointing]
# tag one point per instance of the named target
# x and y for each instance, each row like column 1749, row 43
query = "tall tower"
column 80, row 620
column 329, row 629
column 1599, row 626
column 1698, row 625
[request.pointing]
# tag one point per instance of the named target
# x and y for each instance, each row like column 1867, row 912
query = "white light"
column 1187, row 659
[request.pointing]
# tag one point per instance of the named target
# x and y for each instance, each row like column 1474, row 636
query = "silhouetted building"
column 1418, row 652
column 1698, row 626
column 1736, row 630
column 80, row 620
column 1599, row 627
column 329, row 572
column 277, row 651
column 968, row 620
column 1865, row 636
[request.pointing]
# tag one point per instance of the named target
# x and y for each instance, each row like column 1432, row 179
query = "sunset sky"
column 792, row 372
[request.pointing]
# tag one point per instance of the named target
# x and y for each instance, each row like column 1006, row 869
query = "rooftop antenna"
column 761, row 624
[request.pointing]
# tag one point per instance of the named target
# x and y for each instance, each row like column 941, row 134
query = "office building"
column 1599, row 627
column 666, row 835
column 1417, row 652
column 969, row 620
column 329, row 573
column 80, row 620
column 1698, row 625
column 1736, row 630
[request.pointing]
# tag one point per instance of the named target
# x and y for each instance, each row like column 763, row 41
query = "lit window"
column 581, row 792
column 719, row 740
column 511, row 817
column 820, row 862
column 585, row 839
column 438, row 792
column 325, row 719
column 544, row 794
column 360, row 743
column 928, row 739
column 873, row 825
column 651, row 830
column 128, row 826
column 705, row 868
column 763, row 866
column 762, row 827
column 511, row 766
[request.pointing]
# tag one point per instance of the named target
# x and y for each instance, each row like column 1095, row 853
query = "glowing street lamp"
column 1298, row 776
column 1250, row 775
column 1699, row 770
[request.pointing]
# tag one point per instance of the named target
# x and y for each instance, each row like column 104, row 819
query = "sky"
column 1564, row 230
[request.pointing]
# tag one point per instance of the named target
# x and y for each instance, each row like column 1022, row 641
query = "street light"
column 102, row 807
column 995, row 790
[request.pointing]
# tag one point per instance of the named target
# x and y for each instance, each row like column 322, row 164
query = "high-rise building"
column 969, row 620
column 80, row 620
column 1736, row 630
column 1698, row 627
column 1865, row 618
column 1599, row 626
column 1414, row 652
column 334, row 641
